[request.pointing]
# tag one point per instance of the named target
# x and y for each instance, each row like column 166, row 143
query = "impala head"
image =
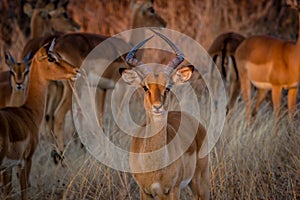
column 47, row 20
column 156, row 80
column 53, row 66
column 61, row 21
column 144, row 15
column 18, row 71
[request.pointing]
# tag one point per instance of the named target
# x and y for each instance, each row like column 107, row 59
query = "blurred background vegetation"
column 203, row 20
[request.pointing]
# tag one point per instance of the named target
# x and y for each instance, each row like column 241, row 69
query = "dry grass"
column 254, row 164
column 245, row 164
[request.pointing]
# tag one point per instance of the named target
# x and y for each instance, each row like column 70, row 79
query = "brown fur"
column 20, row 125
column 11, row 95
column 273, row 62
column 166, row 182
column 223, row 47
column 49, row 20
column 75, row 53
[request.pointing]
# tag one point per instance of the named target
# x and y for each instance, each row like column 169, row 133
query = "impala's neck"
column 137, row 36
column 39, row 26
column 156, row 132
column 36, row 96
column 136, row 22
column 17, row 97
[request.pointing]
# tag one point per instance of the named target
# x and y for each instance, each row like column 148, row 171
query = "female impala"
column 269, row 64
column 75, row 52
column 16, row 87
column 19, row 126
column 44, row 21
column 49, row 20
column 163, row 126
column 223, row 47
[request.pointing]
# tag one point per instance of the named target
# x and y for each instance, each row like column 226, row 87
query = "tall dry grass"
column 252, row 163
column 246, row 163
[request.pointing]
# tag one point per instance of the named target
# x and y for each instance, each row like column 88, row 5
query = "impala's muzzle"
column 19, row 86
column 157, row 108
column 78, row 74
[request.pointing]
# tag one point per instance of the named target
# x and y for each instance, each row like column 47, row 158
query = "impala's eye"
column 50, row 59
column 11, row 72
column 151, row 10
column 168, row 88
column 145, row 88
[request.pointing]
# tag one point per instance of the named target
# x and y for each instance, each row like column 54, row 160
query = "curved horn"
column 130, row 59
column 50, row 50
column 179, row 54
column 54, row 57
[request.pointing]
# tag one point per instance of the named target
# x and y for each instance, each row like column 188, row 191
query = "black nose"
column 157, row 106
column 19, row 86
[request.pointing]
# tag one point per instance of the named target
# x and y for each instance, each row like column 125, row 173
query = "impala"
column 13, row 83
column 223, row 48
column 74, row 47
column 162, row 126
column 44, row 21
column 49, row 20
column 269, row 64
column 20, row 125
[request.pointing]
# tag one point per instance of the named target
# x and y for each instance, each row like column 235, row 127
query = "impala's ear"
column 130, row 76
column 9, row 60
column 27, row 59
column 183, row 74
column 27, row 9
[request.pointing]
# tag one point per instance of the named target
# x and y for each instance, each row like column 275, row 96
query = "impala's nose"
column 19, row 86
column 78, row 73
column 157, row 107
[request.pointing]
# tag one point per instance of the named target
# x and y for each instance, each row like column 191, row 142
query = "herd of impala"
column 38, row 91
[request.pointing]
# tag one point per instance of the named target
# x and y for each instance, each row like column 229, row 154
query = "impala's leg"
column 100, row 102
column 24, row 177
column 292, row 98
column 51, row 93
column 7, row 181
column 261, row 95
column 234, row 84
column 51, row 96
column 276, row 95
column 174, row 194
column 144, row 196
column 200, row 181
column 224, row 63
column 59, row 119
column 246, row 92
column 235, row 92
